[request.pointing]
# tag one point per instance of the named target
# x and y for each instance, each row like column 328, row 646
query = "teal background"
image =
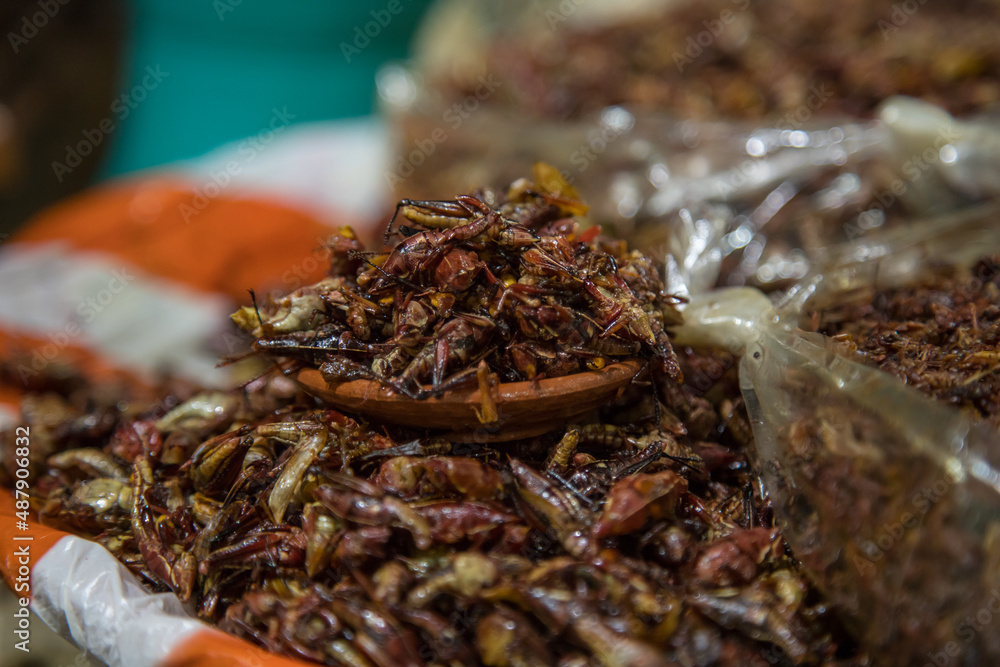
column 230, row 63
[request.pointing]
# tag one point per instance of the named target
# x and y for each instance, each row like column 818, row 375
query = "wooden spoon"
column 526, row 408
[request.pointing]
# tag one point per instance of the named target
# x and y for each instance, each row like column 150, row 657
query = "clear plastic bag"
column 889, row 498
column 759, row 205
column 497, row 86
column 891, row 501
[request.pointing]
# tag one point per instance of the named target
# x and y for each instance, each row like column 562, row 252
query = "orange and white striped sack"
column 125, row 281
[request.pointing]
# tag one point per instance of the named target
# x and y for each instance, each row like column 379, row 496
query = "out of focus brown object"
column 741, row 58
column 762, row 132
column 58, row 71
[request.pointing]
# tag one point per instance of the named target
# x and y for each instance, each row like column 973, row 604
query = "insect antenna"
column 256, row 309
column 572, row 489
column 388, row 230
column 683, row 460
column 748, row 507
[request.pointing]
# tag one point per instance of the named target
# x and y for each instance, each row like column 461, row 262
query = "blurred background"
column 95, row 89
column 55, row 80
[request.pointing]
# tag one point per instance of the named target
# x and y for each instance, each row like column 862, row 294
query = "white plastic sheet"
column 83, row 593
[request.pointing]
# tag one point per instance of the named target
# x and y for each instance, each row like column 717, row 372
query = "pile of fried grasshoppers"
column 502, row 282
column 630, row 538
column 636, row 535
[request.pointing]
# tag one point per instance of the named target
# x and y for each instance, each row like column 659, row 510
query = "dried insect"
column 624, row 539
column 467, row 283
column 939, row 335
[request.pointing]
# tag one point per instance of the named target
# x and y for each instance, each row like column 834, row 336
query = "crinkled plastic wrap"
column 86, row 595
column 897, row 257
column 889, row 498
column 643, row 176
column 769, row 200
column 746, row 204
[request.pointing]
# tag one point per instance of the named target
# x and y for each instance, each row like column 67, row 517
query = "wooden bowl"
column 525, row 409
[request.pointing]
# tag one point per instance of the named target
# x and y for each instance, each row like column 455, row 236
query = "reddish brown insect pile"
column 625, row 540
column 780, row 59
column 506, row 279
column 941, row 336
column 636, row 536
